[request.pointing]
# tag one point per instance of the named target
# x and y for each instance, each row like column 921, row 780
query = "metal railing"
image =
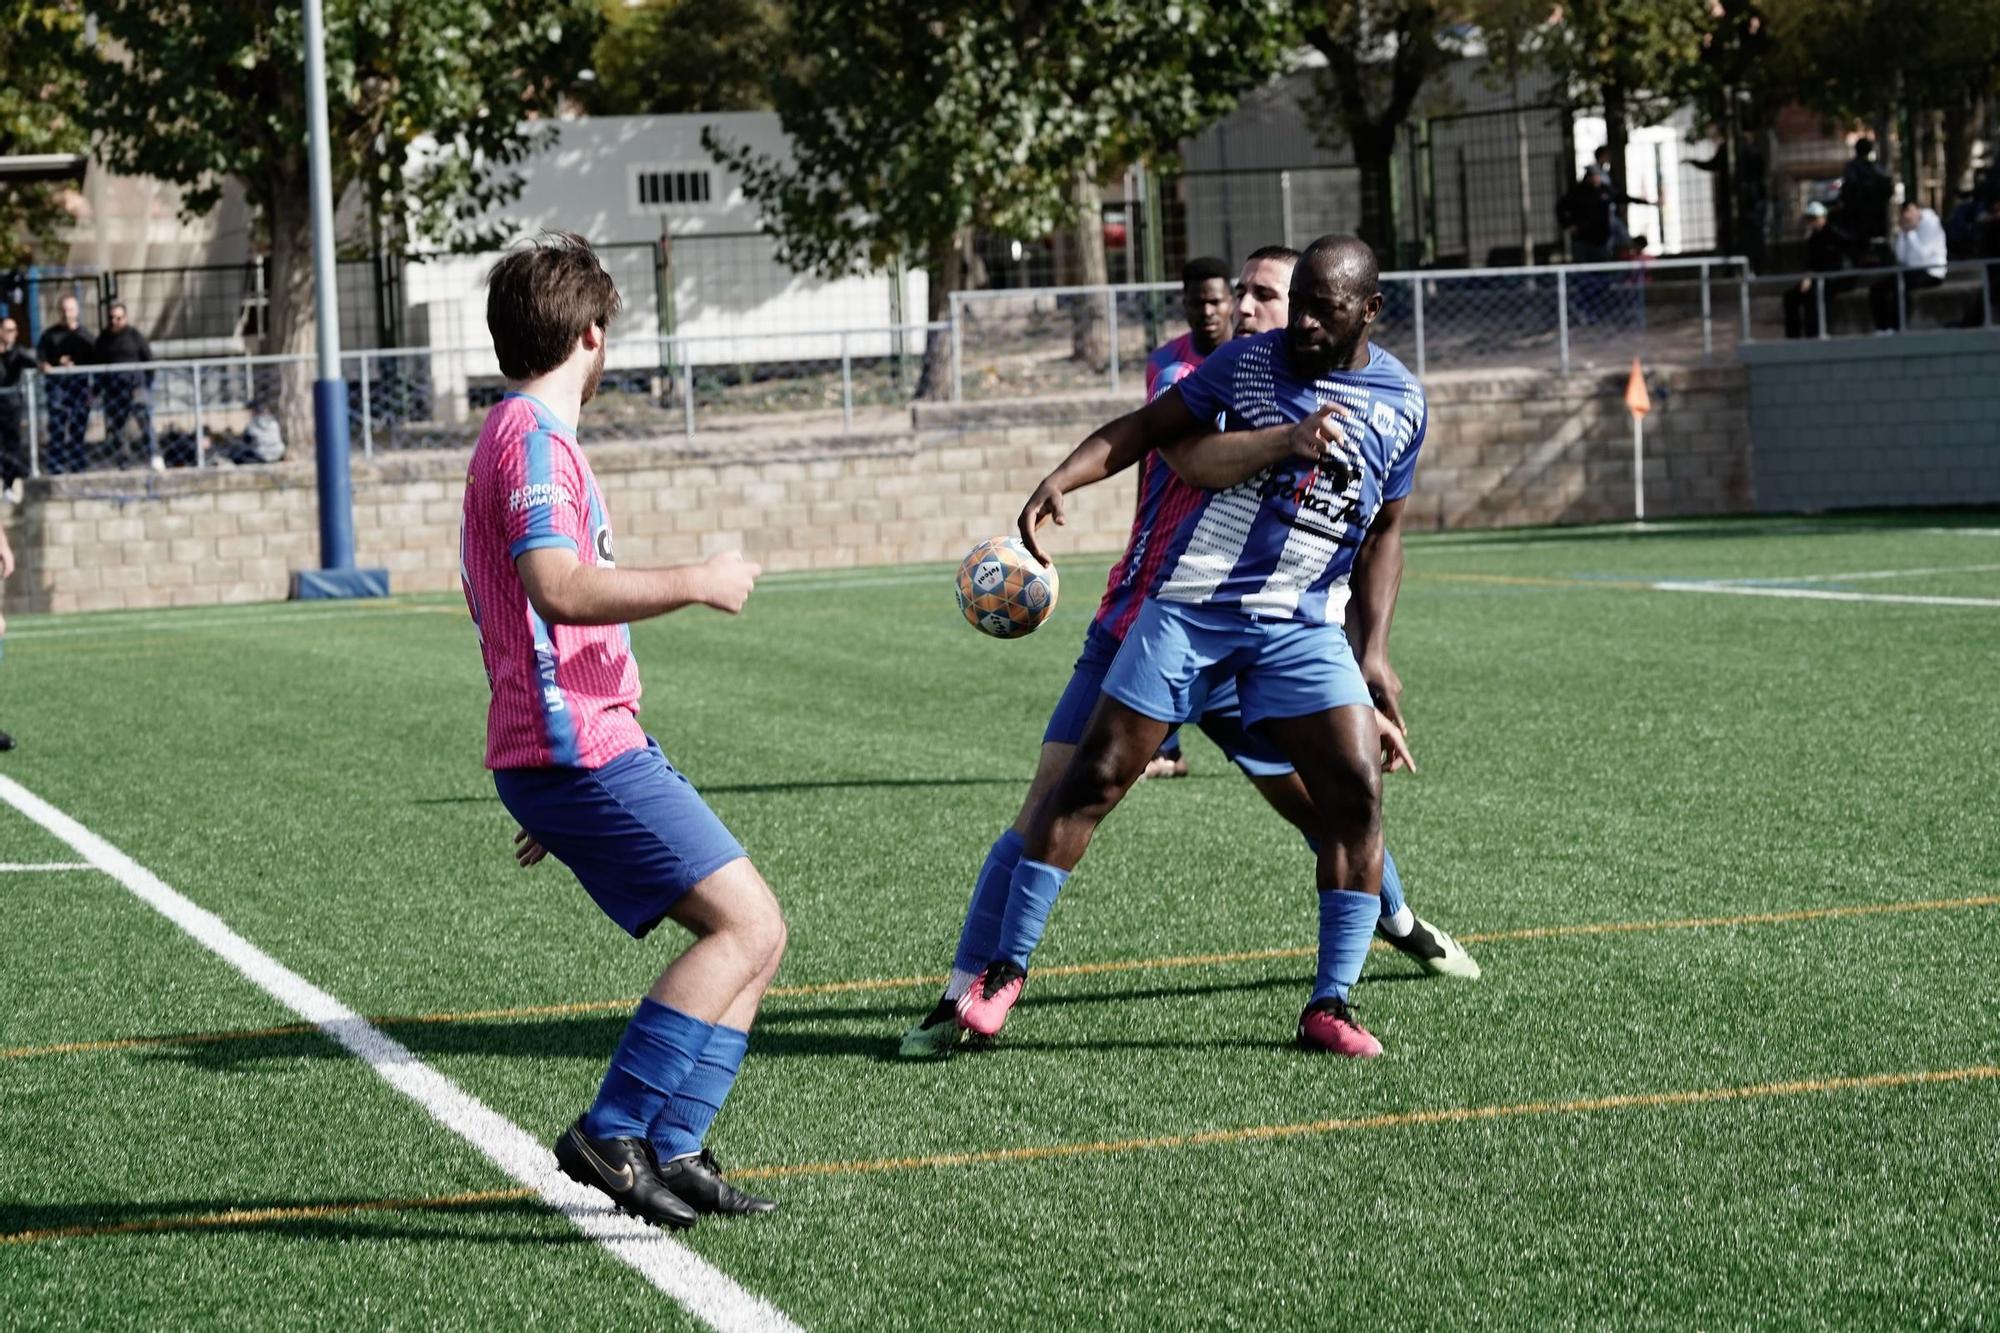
column 243, row 410
column 1851, row 302
column 1051, row 341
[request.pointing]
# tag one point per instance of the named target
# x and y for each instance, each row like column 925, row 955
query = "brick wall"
column 1503, row 449
column 1913, row 420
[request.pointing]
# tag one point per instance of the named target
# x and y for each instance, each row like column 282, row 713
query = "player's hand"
column 1385, row 687
column 1396, row 756
column 1044, row 506
column 730, row 579
column 526, row 850
column 1312, row 438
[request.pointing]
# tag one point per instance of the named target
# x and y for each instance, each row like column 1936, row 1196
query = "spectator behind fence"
column 15, row 362
column 1584, row 213
column 1985, row 245
column 64, row 343
column 1826, row 252
column 124, row 394
column 1864, row 205
column 1920, row 249
column 1621, row 235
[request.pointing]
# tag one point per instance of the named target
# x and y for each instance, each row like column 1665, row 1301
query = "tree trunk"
column 1617, row 135
column 1090, row 334
column 944, row 258
column 1375, row 161
column 1961, row 121
column 286, row 390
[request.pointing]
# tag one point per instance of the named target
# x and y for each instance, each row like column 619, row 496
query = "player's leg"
column 647, row 849
column 734, row 905
column 1111, row 757
column 1337, row 753
column 938, row 1032
column 1303, row 691
column 1159, row 678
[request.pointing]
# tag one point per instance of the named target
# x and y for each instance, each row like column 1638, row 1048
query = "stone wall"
column 1503, row 449
column 1864, row 423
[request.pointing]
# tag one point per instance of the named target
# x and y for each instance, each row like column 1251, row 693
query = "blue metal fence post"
column 337, row 575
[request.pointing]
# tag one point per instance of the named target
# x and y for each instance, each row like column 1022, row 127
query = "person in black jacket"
column 124, row 392
column 1584, row 213
column 1826, row 252
column 64, row 343
column 15, row 362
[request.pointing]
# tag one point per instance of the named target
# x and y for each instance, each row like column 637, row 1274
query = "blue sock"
column 1392, row 886
column 1346, row 924
column 1392, row 881
column 660, row 1046
column 979, row 939
column 681, row 1126
column 1032, row 893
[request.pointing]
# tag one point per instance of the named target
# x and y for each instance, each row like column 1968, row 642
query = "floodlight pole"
column 337, row 575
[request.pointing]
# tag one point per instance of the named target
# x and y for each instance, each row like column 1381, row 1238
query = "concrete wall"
column 1876, row 422
column 1503, row 449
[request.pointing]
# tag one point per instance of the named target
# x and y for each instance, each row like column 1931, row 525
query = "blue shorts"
column 1177, row 656
column 1222, row 722
column 635, row 832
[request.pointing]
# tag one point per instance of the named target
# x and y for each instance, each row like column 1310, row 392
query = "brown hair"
column 541, row 297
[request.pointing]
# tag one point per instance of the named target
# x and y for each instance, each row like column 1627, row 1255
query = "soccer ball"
column 1003, row 590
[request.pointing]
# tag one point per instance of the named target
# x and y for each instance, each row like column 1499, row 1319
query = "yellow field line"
column 1447, row 1115
column 1167, row 963
column 1394, row 1120
column 254, row 1217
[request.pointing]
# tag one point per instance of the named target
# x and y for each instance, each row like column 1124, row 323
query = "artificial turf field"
column 1731, row 862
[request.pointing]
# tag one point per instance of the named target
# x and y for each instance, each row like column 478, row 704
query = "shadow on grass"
column 343, row 1219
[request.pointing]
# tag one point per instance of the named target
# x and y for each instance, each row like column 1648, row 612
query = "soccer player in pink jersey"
column 573, row 767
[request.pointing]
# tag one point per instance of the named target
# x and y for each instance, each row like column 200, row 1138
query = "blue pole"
column 337, row 575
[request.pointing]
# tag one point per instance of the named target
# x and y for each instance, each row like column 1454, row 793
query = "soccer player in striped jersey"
column 1298, row 525
column 572, row 765
column 1164, row 501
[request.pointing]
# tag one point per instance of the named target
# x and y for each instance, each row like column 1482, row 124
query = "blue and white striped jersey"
column 1282, row 544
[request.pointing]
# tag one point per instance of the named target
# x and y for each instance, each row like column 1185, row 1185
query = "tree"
column 678, row 57
column 1379, row 55
column 426, row 101
column 39, row 104
column 912, row 123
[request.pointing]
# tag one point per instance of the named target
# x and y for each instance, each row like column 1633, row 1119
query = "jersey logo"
column 1383, row 418
column 603, row 544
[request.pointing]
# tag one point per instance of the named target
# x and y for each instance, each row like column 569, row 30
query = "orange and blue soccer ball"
column 1003, row 590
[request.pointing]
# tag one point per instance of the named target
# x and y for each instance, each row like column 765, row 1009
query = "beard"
column 596, row 375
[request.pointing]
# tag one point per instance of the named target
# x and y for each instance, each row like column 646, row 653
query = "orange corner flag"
column 1637, row 401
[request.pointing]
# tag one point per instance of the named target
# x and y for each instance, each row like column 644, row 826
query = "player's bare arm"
column 1377, row 577
column 565, row 591
column 1216, row 460
column 1104, row 453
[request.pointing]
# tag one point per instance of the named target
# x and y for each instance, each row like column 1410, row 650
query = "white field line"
column 705, row 1291
column 39, row 867
column 1825, row 595
column 1857, row 577
column 1961, row 532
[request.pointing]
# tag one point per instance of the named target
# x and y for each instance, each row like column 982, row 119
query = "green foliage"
column 674, row 57
column 909, row 122
column 40, row 99
column 1857, row 59
column 199, row 94
column 1640, row 52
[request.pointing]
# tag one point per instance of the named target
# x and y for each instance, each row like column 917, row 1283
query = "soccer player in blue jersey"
column 1163, row 502
column 1301, row 522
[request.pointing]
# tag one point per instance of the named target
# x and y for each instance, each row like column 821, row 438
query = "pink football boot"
column 1329, row 1025
column 983, row 1009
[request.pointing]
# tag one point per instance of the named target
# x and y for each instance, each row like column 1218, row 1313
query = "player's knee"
column 1094, row 784
column 1349, row 799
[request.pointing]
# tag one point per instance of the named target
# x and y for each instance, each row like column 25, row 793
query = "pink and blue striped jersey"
column 1164, row 500
column 563, row 695
column 1282, row 544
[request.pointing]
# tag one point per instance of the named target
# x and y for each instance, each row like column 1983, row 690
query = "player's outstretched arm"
column 1373, row 585
column 1217, row 460
column 1104, row 453
column 565, row 591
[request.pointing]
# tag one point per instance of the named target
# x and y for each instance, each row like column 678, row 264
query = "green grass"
column 1591, row 751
